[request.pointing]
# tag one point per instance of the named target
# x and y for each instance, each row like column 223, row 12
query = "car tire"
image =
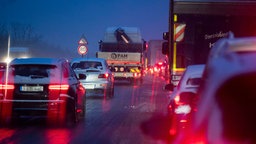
column 110, row 91
column 83, row 114
column 71, row 115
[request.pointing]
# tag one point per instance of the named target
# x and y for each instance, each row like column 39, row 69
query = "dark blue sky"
column 62, row 22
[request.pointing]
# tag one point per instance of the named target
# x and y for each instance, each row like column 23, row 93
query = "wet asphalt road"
column 135, row 115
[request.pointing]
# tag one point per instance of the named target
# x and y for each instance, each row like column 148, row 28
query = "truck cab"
column 196, row 25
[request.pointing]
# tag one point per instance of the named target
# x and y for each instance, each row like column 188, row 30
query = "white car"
column 227, row 105
column 189, row 81
column 183, row 98
column 99, row 79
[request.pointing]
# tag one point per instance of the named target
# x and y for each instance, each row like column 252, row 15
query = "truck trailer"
column 123, row 48
column 196, row 25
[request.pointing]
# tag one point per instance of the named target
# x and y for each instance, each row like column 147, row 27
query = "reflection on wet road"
column 136, row 114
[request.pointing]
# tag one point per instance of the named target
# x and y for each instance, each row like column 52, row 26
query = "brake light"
column 177, row 99
column 59, row 87
column 6, row 86
column 55, row 90
column 80, row 87
column 6, row 91
column 155, row 69
column 103, row 75
column 160, row 63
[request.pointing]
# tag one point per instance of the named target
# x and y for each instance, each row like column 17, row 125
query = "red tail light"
column 103, row 75
column 177, row 99
column 155, row 69
column 136, row 74
column 183, row 121
column 6, row 90
column 56, row 90
column 6, row 86
column 80, row 87
column 59, row 87
column 81, row 90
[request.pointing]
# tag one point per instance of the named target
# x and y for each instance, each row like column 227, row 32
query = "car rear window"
column 194, row 81
column 87, row 65
column 35, row 71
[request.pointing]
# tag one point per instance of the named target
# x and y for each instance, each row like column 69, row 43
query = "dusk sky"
column 63, row 22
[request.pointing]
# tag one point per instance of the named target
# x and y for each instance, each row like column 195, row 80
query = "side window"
column 71, row 72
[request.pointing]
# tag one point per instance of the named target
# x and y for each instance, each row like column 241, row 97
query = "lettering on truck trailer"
column 119, row 56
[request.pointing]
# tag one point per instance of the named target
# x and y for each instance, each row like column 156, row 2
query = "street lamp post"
column 171, row 35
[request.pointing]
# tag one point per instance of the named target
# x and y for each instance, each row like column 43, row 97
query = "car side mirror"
column 169, row 87
column 81, row 76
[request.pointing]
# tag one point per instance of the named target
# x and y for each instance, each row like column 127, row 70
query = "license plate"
column 118, row 74
column 89, row 86
column 32, row 88
column 123, row 74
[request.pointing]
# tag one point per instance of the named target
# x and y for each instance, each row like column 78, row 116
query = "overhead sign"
column 82, row 49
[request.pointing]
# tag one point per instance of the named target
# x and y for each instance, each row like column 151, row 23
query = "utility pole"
column 171, row 36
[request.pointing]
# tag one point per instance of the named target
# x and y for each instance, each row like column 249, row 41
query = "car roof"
column 234, row 56
column 195, row 68
column 231, row 44
column 228, row 64
column 43, row 61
